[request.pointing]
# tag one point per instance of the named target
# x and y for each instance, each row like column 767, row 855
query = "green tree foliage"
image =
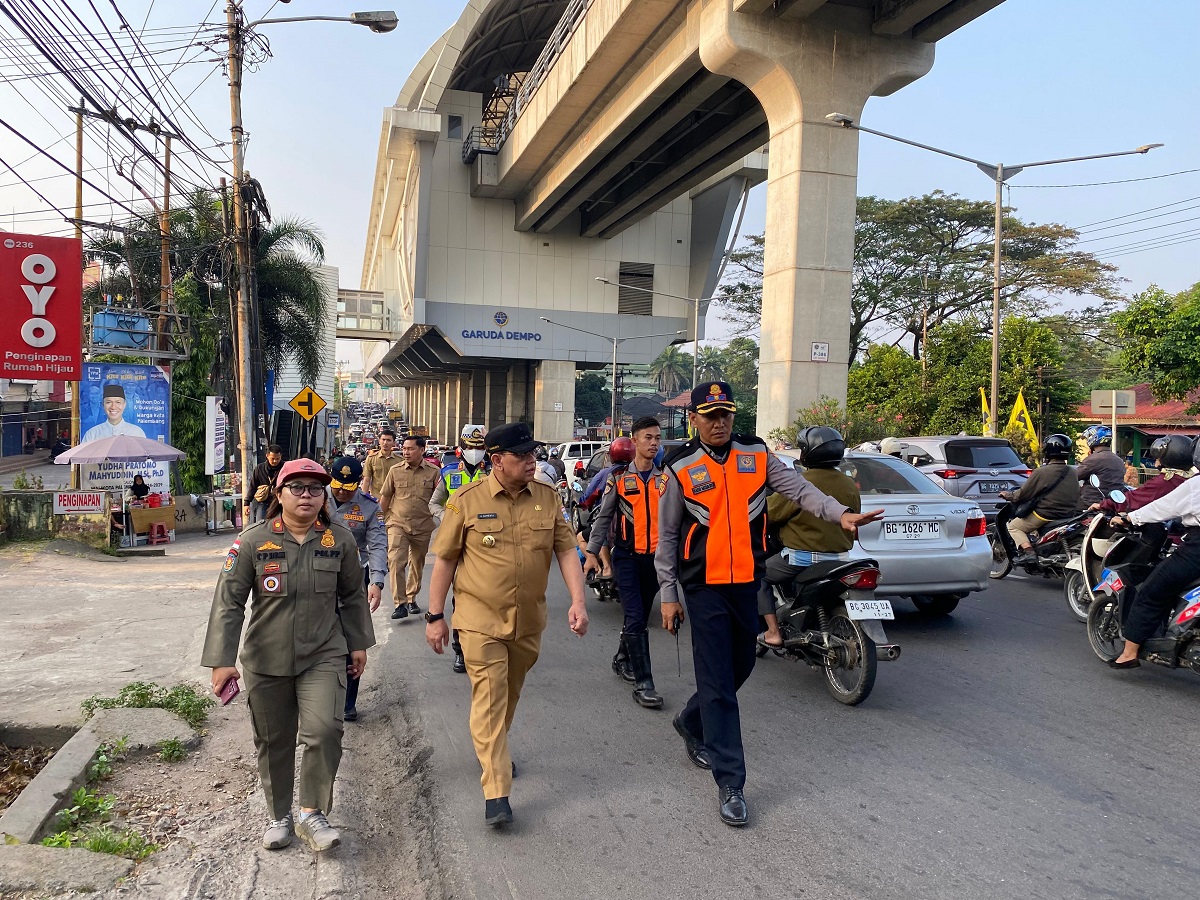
column 593, row 401
column 710, row 364
column 922, row 262
column 1161, row 334
column 888, row 394
column 192, row 381
column 672, row 370
column 739, row 364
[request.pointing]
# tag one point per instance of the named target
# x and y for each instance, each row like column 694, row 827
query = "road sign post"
column 307, row 403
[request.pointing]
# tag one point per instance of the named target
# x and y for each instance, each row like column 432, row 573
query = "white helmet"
column 472, row 443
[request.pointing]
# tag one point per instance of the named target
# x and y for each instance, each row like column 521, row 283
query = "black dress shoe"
column 400, row 612
column 1128, row 664
column 695, row 750
column 733, row 807
column 351, row 715
column 413, row 609
column 460, row 664
column 497, row 813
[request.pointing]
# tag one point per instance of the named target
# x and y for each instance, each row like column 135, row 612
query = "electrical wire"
column 1121, row 234
column 1023, row 187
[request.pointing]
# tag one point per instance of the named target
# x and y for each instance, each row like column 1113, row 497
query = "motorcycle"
column 830, row 619
column 1056, row 543
column 1128, row 563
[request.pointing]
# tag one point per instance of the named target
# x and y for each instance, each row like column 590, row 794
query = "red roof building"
column 1151, row 419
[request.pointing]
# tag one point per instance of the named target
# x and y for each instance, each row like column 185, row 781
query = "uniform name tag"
column 701, row 488
column 488, row 516
column 746, row 462
column 328, row 554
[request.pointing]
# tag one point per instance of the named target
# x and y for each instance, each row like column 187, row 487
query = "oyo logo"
column 39, row 270
column 9, row 243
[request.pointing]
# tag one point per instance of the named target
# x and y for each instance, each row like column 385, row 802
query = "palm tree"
column 672, row 369
column 291, row 301
column 710, row 364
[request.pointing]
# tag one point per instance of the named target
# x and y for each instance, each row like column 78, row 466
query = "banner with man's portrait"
column 115, row 398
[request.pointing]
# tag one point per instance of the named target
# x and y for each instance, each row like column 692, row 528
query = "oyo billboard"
column 41, row 307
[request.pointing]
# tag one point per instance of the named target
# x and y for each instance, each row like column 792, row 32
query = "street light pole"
column 1000, row 174
column 616, row 341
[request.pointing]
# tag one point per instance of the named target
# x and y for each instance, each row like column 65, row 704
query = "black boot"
column 620, row 663
column 639, row 660
column 460, row 664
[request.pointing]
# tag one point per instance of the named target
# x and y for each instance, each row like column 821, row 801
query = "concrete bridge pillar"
column 800, row 71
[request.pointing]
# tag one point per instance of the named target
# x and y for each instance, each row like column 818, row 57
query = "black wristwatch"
column 434, row 617
column 378, row 584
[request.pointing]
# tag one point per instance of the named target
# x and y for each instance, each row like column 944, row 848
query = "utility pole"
column 164, row 296
column 75, row 385
column 241, row 249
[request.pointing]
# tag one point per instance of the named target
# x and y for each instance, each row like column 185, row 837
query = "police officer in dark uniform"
column 712, row 546
column 362, row 517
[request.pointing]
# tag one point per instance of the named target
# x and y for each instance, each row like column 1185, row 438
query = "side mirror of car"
column 1115, row 496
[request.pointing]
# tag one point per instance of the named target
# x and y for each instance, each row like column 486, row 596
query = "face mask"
column 474, row 457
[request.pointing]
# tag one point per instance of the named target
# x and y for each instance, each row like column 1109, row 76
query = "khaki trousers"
column 1018, row 529
column 311, row 706
column 406, row 550
column 497, row 671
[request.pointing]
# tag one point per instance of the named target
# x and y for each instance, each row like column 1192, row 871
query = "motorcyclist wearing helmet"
column 806, row 538
column 471, row 466
column 1154, row 597
column 1101, row 462
column 545, row 472
column 1055, row 494
column 556, row 463
column 1172, row 457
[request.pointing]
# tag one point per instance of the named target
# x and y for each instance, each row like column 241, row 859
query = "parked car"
column 575, row 454
column 974, row 468
column 931, row 547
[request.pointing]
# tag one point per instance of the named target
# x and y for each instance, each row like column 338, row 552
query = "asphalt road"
column 997, row 758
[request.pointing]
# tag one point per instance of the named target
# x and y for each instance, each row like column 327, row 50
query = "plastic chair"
column 158, row 534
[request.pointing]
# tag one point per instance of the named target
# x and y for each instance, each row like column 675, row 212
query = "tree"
column 924, row 261
column 593, row 401
column 672, row 370
column 1162, row 341
column 740, row 364
column 710, row 364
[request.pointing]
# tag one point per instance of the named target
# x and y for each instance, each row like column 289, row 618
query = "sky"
column 1029, row 80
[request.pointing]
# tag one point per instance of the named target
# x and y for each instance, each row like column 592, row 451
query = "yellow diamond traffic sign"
column 307, row 403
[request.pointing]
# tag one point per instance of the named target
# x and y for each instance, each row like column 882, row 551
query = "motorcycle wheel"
column 935, row 604
column 1075, row 592
column 850, row 680
column 1104, row 629
column 1001, row 564
column 576, row 524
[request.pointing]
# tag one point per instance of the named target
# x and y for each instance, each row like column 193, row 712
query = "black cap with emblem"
column 514, row 437
column 712, row 396
column 346, row 472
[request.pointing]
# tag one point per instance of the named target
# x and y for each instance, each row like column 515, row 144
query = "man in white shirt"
column 114, row 409
column 1158, row 593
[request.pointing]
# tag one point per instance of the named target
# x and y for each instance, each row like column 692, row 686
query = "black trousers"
column 637, row 582
column 724, row 629
column 779, row 571
column 351, row 682
column 1158, row 594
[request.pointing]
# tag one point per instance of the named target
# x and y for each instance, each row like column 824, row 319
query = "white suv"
column 575, row 454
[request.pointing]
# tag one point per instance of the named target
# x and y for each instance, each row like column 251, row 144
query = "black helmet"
column 1057, row 446
column 820, row 447
column 1172, row 452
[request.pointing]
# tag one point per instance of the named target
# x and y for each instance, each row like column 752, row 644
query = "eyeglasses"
column 528, row 454
column 299, row 490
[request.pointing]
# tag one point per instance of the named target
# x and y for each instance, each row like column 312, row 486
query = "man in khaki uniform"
column 379, row 463
column 495, row 543
column 309, row 612
column 404, row 499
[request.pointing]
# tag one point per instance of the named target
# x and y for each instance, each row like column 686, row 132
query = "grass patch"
column 172, row 750
column 104, row 839
column 184, row 700
column 87, row 806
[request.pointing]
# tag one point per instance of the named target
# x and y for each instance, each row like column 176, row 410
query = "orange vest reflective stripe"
column 637, row 508
column 724, row 529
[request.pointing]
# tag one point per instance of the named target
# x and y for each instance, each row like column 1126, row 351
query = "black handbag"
column 1026, row 507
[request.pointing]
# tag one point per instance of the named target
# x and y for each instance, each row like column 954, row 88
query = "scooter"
column 830, row 619
column 1128, row 563
column 1055, row 545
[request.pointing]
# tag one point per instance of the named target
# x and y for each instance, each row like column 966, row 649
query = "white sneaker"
column 314, row 829
column 278, row 834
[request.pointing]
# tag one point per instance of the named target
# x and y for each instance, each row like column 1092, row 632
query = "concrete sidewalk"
column 75, row 622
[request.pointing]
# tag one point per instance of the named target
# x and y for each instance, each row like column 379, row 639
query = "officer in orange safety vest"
column 630, row 506
column 712, row 547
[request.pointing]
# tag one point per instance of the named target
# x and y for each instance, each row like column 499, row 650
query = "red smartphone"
column 231, row 690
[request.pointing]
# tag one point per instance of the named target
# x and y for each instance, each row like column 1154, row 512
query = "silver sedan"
column 931, row 547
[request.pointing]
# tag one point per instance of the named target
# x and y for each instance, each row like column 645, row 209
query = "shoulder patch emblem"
column 452, row 507
column 328, row 540
column 231, row 556
column 269, row 545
